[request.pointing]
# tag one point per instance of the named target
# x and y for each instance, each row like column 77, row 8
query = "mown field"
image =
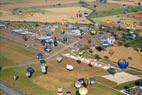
column 10, row 56
column 12, row 53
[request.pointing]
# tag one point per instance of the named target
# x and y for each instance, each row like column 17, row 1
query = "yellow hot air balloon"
column 93, row 32
column 62, row 30
column 83, row 91
column 128, row 23
column 53, row 29
column 108, row 21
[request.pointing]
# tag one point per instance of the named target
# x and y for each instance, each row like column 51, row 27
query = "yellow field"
column 52, row 15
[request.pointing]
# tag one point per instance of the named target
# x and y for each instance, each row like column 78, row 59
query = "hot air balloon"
column 83, row 91
column 60, row 91
column 86, row 83
column 59, row 59
column 78, row 84
column 68, row 93
column 93, row 32
column 81, row 80
column 123, row 64
column 92, row 80
column 55, row 42
column 53, row 29
column 25, row 38
column 111, row 52
column 65, row 38
column 30, row 71
column 39, row 56
column 42, row 62
column 43, row 69
column 69, row 67
column 108, row 21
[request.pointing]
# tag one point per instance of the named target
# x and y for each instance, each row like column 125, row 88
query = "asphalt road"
column 9, row 90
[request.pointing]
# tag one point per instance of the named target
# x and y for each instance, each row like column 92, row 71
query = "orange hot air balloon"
column 62, row 22
column 108, row 21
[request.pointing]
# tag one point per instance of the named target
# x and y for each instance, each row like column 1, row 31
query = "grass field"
column 26, row 85
column 12, row 53
column 42, row 84
column 23, row 83
column 114, row 12
column 129, row 84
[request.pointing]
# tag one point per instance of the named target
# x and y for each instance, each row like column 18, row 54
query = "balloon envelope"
column 83, row 91
column 30, row 70
column 92, row 80
column 122, row 64
column 39, row 56
column 42, row 61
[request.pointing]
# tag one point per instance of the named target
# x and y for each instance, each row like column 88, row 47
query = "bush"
column 106, row 57
column 97, row 56
column 130, row 58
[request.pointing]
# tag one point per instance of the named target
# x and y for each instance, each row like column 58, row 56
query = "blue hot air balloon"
column 30, row 70
column 39, row 56
column 123, row 64
column 92, row 80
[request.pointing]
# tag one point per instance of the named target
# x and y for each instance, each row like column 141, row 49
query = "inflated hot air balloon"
column 42, row 61
column 93, row 32
column 30, row 71
column 59, row 59
column 44, row 69
column 123, row 64
column 60, row 91
column 78, row 84
column 83, row 91
column 65, row 38
column 108, row 21
column 55, row 41
column 86, row 83
column 53, row 29
column 92, row 80
column 111, row 52
column 39, row 56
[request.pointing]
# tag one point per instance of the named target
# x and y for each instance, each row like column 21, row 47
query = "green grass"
column 10, row 51
column 23, row 83
column 102, row 90
column 114, row 12
column 129, row 84
column 5, row 61
column 135, row 43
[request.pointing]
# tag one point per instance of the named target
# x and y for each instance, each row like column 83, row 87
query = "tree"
column 106, row 57
column 97, row 56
